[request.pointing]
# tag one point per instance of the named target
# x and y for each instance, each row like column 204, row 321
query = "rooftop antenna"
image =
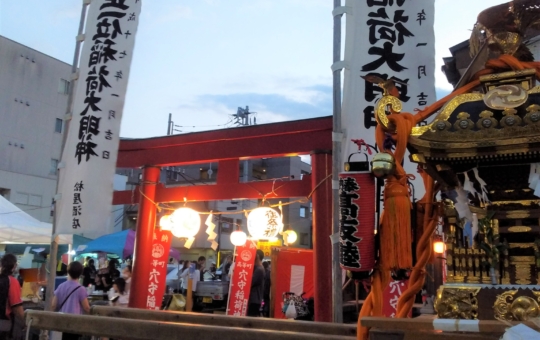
column 241, row 118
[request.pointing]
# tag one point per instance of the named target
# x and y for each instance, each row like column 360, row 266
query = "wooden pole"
column 356, row 289
column 189, row 295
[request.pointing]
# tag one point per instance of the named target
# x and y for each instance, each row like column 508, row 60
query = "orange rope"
column 395, row 230
column 423, row 251
column 372, row 305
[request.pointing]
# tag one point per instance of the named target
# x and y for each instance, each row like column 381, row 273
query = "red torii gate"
column 227, row 147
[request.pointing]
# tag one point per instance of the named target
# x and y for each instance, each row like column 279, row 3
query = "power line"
column 198, row 126
column 14, row 212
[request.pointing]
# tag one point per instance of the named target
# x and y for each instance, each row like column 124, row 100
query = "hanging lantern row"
column 262, row 223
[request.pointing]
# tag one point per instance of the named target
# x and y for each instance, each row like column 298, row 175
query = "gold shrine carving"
column 457, row 303
column 507, row 307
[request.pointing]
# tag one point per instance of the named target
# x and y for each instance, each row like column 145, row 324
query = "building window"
column 21, row 198
column 203, row 174
column 5, row 193
column 34, row 200
column 63, row 86
column 304, row 239
column 303, row 211
column 58, row 125
column 54, row 166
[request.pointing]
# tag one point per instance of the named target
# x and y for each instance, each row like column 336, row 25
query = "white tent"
column 16, row 226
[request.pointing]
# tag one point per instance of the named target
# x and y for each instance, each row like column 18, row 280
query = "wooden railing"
column 139, row 324
column 322, row 328
column 137, row 329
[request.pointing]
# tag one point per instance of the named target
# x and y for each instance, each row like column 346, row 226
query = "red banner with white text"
column 241, row 279
column 391, row 296
column 161, row 246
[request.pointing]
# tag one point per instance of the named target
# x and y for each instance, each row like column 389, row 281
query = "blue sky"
column 201, row 59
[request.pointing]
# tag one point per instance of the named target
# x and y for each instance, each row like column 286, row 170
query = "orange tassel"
column 395, row 231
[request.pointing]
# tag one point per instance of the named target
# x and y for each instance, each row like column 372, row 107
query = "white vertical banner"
column 89, row 158
column 390, row 39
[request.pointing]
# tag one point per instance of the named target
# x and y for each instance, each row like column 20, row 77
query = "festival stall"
column 16, row 226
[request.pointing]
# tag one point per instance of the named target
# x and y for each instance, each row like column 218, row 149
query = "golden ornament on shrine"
column 382, row 165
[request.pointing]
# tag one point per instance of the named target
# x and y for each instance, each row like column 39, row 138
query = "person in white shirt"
column 126, row 275
column 119, row 297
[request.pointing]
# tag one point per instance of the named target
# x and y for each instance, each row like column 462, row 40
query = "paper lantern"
column 438, row 247
column 165, row 222
column 238, row 238
column 186, row 223
column 264, row 223
column 290, row 236
column 357, row 221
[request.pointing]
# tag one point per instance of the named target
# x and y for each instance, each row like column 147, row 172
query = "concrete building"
column 33, row 98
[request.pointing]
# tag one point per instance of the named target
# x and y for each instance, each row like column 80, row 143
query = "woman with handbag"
column 70, row 297
column 11, row 309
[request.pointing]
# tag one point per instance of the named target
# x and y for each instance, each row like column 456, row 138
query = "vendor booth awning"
column 120, row 243
column 16, row 226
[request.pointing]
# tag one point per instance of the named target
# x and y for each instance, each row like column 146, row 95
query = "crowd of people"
column 72, row 295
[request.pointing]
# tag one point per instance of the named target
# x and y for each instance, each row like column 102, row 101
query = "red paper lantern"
column 357, row 221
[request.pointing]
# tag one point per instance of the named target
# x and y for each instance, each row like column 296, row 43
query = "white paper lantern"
column 165, row 222
column 186, row 222
column 238, row 238
column 290, row 236
column 264, row 223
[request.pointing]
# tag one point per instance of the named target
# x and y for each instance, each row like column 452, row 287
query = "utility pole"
column 337, row 291
column 53, row 254
column 171, row 126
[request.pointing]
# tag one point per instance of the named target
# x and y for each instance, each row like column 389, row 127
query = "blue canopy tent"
column 120, row 243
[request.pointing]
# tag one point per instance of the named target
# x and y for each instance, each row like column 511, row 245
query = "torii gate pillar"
column 146, row 222
column 321, row 170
